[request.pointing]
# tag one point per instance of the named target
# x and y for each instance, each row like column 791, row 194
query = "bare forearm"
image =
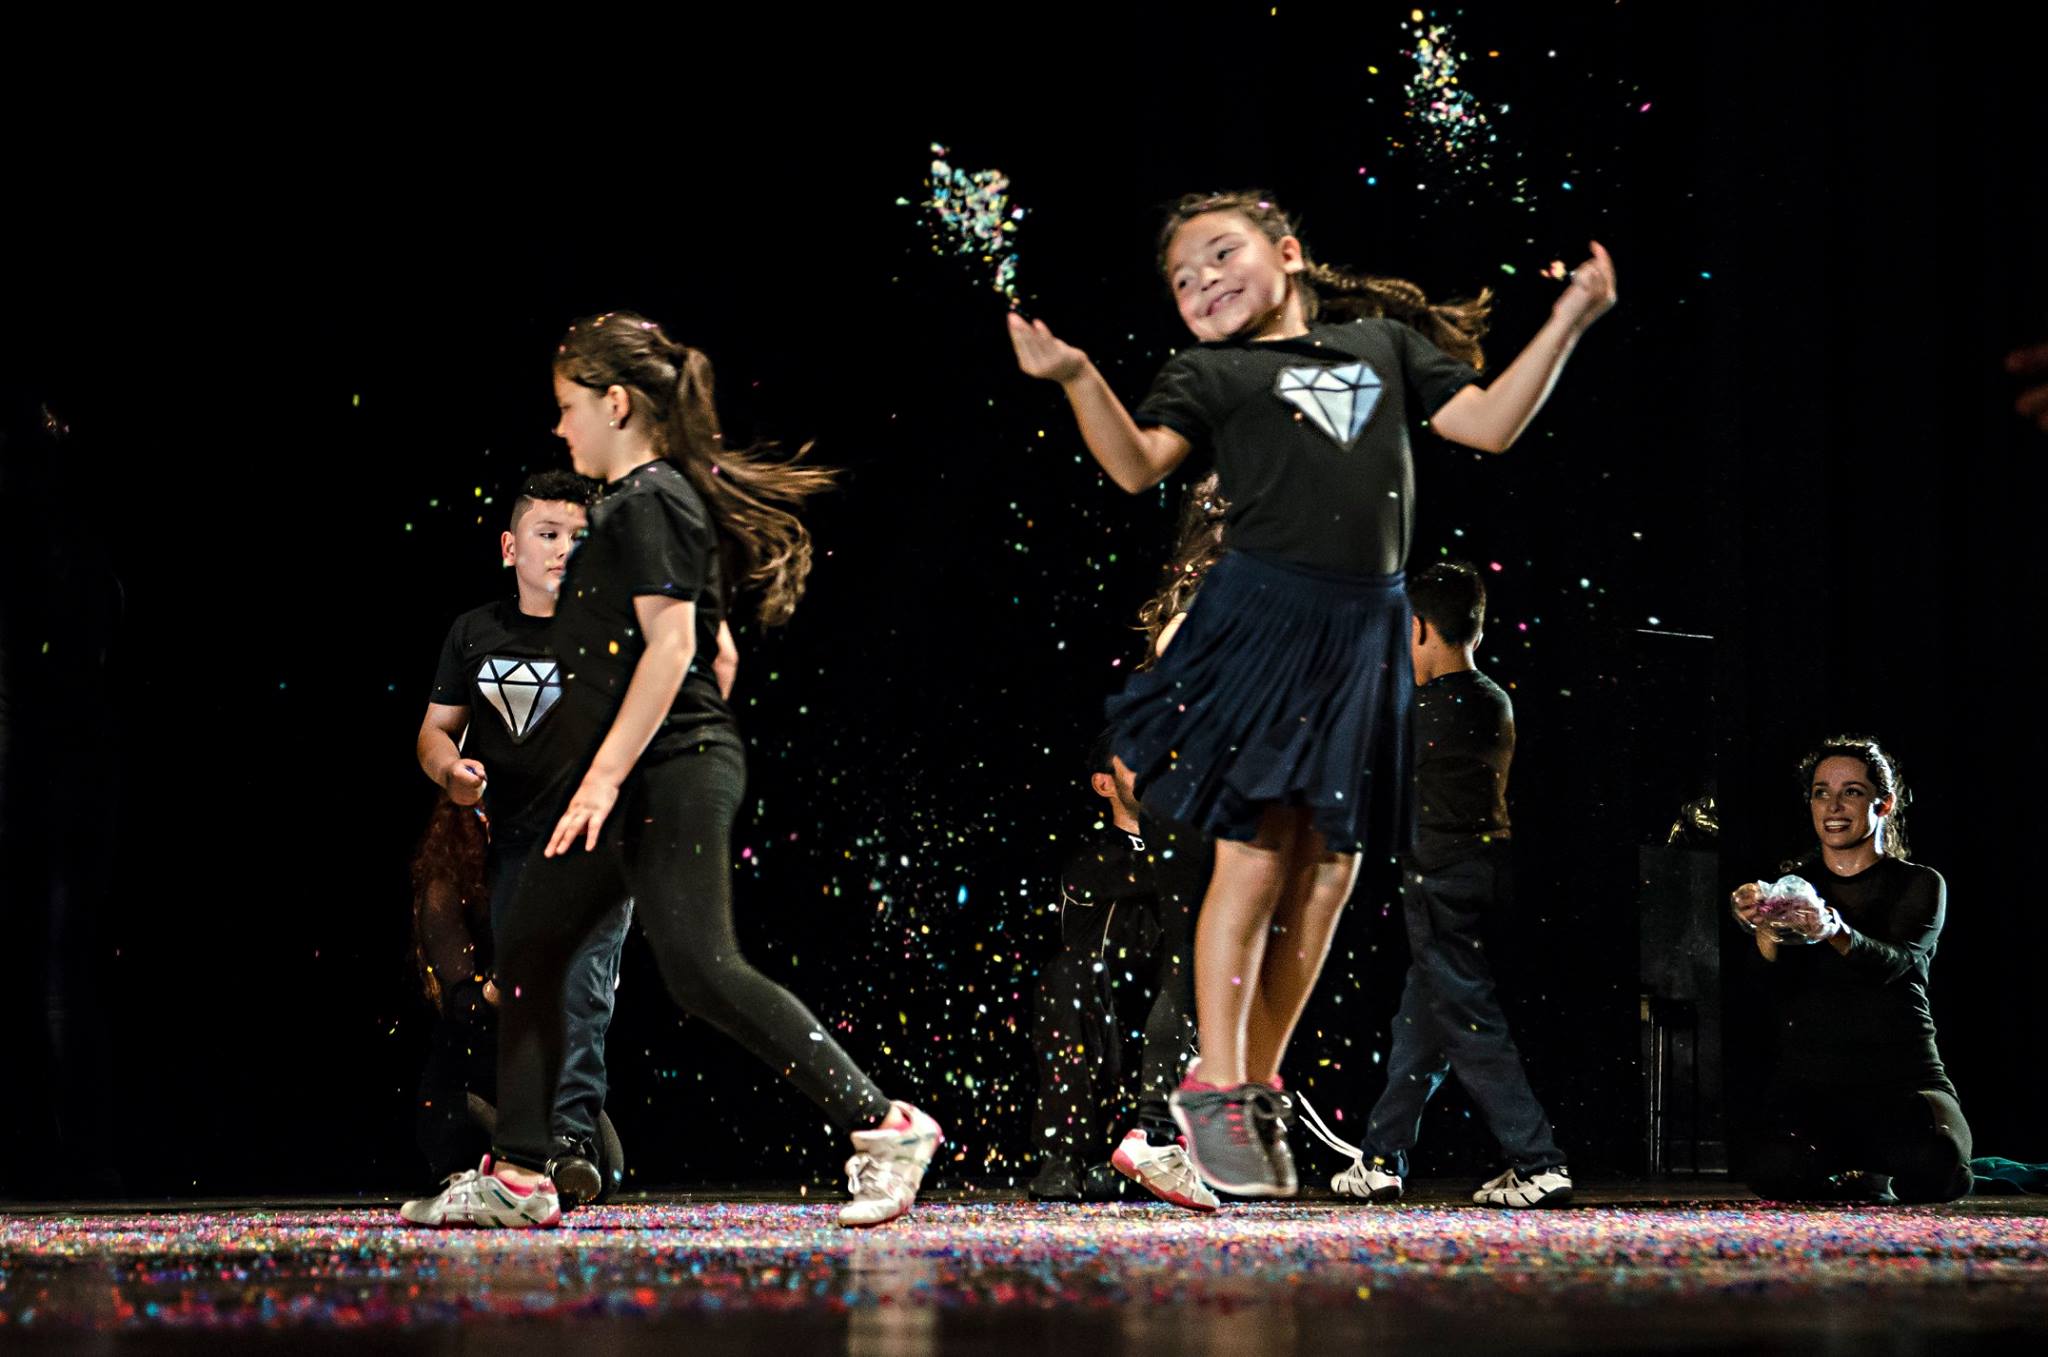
column 649, row 695
column 1498, row 415
column 436, row 751
column 1135, row 458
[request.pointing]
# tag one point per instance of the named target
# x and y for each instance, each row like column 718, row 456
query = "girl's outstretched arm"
column 1136, row 459
column 1491, row 418
column 670, row 626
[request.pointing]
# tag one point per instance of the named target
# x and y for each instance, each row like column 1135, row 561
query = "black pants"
column 1451, row 1022
column 588, row 992
column 667, row 845
column 1121, row 967
column 1811, row 1132
column 462, row 1058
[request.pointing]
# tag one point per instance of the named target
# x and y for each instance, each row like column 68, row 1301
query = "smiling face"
column 1228, row 279
column 1847, row 811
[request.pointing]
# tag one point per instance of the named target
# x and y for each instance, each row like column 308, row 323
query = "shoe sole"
column 1123, row 1164
column 550, row 1223
column 1561, row 1197
column 1259, row 1191
column 578, row 1187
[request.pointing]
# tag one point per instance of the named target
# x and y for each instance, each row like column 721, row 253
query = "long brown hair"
column 751, row 494
column 1198, row 544
column 1455, row 327
column 449, row 861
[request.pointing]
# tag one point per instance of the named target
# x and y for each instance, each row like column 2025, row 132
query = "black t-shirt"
column 1464, row 742
column 500, row 663
column 1164, row 865
column 1862, row 1017
column 649, row 534
column 1310, row 436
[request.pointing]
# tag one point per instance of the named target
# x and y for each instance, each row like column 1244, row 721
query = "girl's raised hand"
column 1591, row 292
column 1039, row 354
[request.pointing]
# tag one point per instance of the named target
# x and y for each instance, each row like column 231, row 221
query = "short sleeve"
column 1432, row 376
column 665, row 545
column 451, row 675
column 1178, row 400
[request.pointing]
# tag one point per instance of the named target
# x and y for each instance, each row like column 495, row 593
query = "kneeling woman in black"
column 1860, row 1094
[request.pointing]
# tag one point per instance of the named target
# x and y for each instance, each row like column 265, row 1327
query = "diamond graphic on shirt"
column 1336, row 400
column 522, row 691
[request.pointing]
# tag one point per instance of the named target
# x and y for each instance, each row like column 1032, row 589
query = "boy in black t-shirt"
column 493, row 734
column 1457, row 876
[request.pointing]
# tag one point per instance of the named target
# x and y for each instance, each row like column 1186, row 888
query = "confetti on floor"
column 1393, row 1270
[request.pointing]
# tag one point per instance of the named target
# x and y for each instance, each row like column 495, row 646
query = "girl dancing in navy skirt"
column 1275, row 718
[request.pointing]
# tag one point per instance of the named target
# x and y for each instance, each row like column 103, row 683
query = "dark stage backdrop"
column 301, row 342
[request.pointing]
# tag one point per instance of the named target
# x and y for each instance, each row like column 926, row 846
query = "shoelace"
column 1355, row 1174
column 1268, row 1112
column 867, row 1175
column 1176, row 1172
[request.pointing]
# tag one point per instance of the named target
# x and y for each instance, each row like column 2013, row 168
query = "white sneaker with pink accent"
column 1163, row 1170
column 479, row 1197
column 888, row 1166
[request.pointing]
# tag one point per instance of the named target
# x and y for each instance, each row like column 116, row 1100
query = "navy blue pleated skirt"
column 1286, row 686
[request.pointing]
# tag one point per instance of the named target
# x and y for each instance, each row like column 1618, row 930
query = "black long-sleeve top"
column 1862, row 1017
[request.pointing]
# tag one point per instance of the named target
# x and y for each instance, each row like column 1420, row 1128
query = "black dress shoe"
column 1103, row 1184
column 1056, row 1182
column 573, row 1166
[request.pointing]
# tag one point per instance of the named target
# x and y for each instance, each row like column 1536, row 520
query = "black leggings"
column 1916, row 1137
column 667, row 844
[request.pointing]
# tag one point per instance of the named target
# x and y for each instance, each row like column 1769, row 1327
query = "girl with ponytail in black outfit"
column 683, row 521
column 1276, row 719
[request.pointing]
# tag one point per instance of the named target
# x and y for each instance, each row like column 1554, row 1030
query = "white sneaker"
column 479, row 1197
column 888, row 1166
column 1163, row 1170
column 1545, row 1187
column 1366, row 1181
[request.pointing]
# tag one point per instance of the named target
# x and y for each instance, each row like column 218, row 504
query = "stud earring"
column 614, row 424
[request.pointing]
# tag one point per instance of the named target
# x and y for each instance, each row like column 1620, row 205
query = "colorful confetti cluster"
column 1447, row 120
column 359, row 1267
column 971, row 215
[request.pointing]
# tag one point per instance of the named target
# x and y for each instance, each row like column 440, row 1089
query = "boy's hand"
column 464, row 782
column 1039, row 354
column 1590, row 294
column 584, row 818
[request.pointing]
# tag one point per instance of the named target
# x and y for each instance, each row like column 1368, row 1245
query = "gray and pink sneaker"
column 1228, row 1133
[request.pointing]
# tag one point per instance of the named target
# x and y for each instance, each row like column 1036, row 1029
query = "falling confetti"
column 971, row 215
column 1447, row 120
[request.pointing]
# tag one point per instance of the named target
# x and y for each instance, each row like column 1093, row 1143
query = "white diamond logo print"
column 522, row 692
column 1336, row 400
